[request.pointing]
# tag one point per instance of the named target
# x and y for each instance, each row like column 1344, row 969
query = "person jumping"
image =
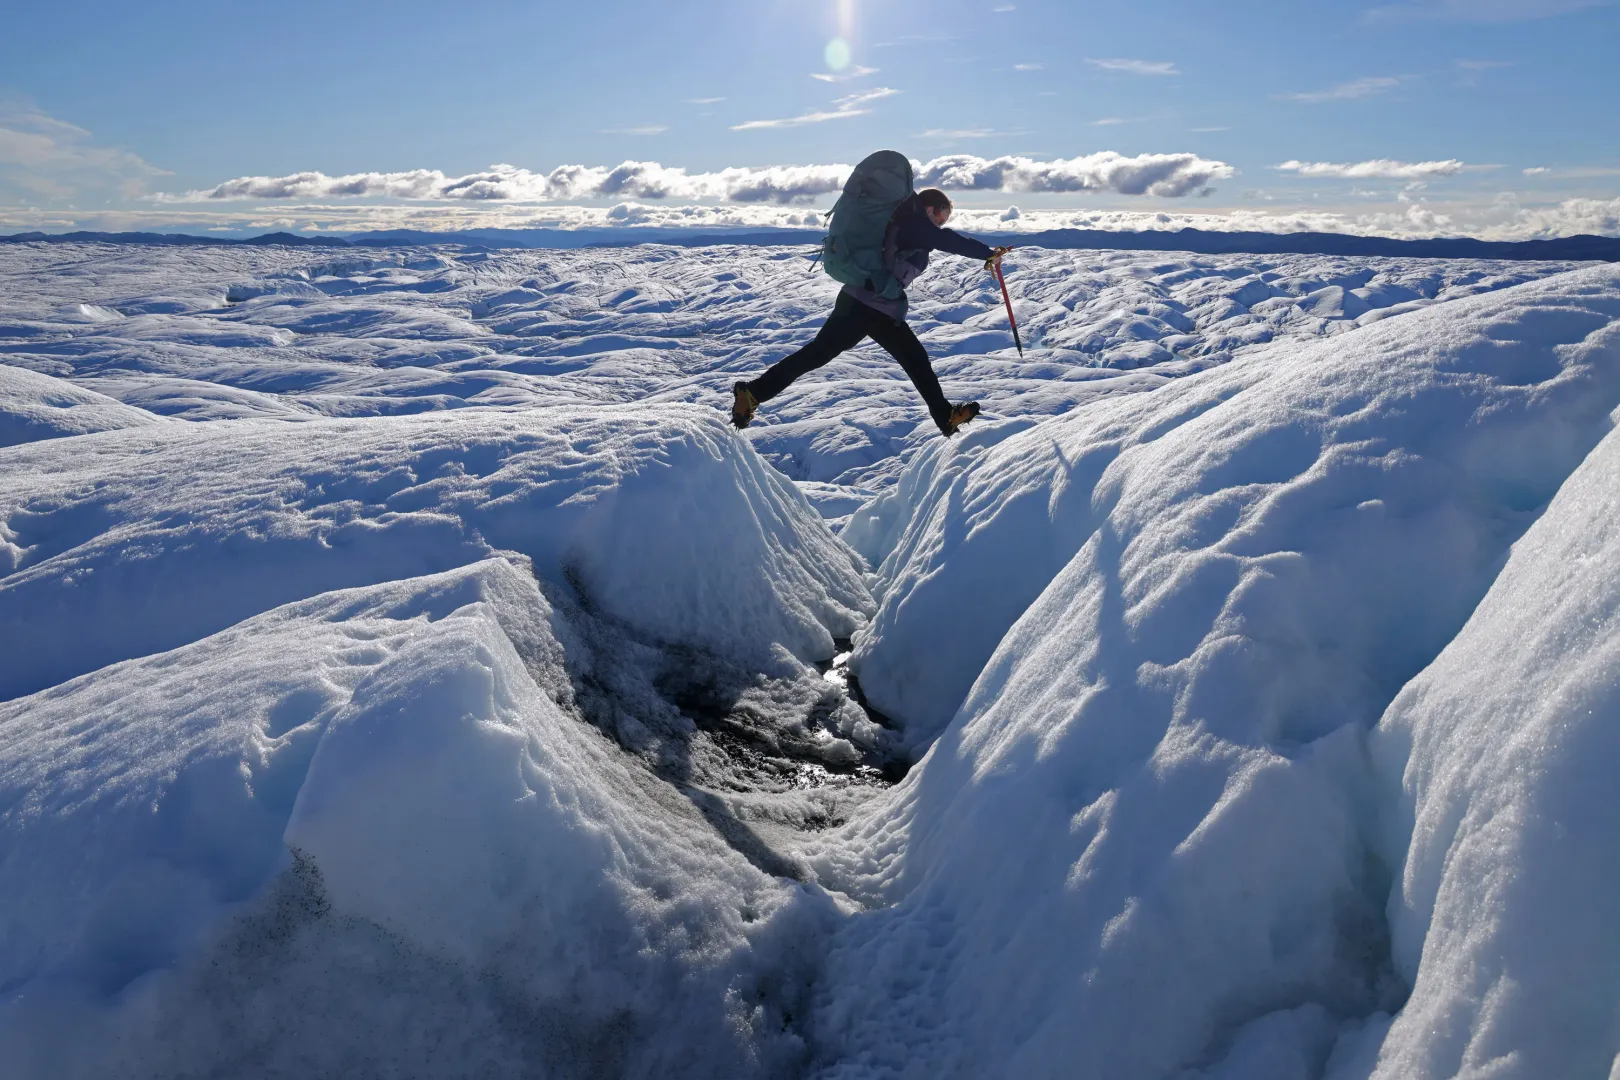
column 876, row 255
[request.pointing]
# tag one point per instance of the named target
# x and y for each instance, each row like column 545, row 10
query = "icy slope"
column 34, row 406
column 1148, row 839
column 312, row 738
column 125, row 543
column 1484, row 402
column 1505, row 914
column 478, row 883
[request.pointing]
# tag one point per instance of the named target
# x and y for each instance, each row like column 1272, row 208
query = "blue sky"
column 1415, row 116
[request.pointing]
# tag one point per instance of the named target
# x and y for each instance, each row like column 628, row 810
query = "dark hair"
column 934, row 199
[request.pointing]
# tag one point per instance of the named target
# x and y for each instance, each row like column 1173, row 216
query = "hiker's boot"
column 743, row 405
column 960, row 414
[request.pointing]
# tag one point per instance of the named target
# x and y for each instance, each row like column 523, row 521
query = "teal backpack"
column 853, row 250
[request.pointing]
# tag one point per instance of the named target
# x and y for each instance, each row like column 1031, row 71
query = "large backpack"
column 853, row 250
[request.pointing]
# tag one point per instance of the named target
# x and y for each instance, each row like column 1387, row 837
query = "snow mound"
column 1149, row 835
column 35, row 406
column 1503, row 750
column 126, row 543
column 325, row 725
column 1495, row 392
column 366, row 814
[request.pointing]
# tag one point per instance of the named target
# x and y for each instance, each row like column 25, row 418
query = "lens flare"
column 837, row 54
column 846, row 18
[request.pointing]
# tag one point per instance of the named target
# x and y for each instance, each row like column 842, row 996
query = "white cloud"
column 854, row 72
column 645, row 129
column 1376, row 169
column 1596, row 217
column 1207, row 130
column 508, row 183
column 1136, row 67
column 1028, row 67
column 1170, row 175
column 1002, row 9
column 703, row 101
column 1498, row 219
column 1578, row 172
column 844, row 108
column 958, row 133
column 1356, row 88
column 49, row 158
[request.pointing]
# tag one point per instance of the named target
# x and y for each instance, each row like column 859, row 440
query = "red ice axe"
column 995, row 268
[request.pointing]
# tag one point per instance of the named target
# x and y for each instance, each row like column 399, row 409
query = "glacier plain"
column 407, row 671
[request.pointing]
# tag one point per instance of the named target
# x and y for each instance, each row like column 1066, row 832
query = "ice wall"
column 1150, row 829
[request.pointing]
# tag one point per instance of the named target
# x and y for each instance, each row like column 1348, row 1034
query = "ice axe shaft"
column 1002, row 281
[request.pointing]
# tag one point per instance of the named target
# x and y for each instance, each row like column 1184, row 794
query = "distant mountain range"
column 1584, row 248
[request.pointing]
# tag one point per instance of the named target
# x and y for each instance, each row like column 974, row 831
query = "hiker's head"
column 936, row 204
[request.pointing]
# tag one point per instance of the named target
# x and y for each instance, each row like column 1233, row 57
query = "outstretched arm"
column 918, row 233
column 954, row 242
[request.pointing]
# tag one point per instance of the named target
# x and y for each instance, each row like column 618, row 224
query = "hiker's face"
column 939, row 217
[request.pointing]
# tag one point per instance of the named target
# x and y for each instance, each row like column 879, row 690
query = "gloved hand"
column 995, row 256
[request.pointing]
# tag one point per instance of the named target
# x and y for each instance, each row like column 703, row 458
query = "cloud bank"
column 508, row 183
column 43, row 157
column 1377, row 169
column 1501, row 218
column 1170, row 175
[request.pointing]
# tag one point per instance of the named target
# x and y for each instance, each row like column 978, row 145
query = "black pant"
column 850, row 322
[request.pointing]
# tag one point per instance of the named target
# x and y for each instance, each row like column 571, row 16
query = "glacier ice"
column 405, row 670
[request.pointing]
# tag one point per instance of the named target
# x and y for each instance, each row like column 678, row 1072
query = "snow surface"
column 457, row 697
column 222, row 333
column 453, row 876
column 997, row 515
column 142, row 540
column 1504, row 919
column 288, row 661
column 1164, row 754
column 34, row 406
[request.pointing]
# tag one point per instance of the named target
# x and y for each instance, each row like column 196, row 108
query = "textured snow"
column 289, row 708
column 996, row 515
column 1151, row 819
column 224, row 333
column 34, row 406
column 1503, row 750
column 467, row 862
column 138, row 541
column 454, row 694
